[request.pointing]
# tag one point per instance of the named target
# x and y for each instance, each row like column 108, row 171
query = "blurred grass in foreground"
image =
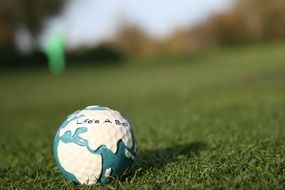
column 210, row 121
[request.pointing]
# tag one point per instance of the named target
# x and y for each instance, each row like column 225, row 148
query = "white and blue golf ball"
column 93, row 145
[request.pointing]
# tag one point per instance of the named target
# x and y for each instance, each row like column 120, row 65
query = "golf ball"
column 93, row 145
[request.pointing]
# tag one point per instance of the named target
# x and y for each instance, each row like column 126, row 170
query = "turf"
column 210, row 121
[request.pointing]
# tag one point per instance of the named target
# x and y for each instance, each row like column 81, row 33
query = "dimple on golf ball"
column 93, row 145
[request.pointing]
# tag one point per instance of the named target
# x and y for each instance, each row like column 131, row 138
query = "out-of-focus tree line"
column 249, row 21
column 30, row 14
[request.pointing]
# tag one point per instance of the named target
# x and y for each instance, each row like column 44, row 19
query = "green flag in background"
column 55, row 53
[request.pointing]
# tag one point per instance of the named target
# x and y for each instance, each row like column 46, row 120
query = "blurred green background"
column 207, row 99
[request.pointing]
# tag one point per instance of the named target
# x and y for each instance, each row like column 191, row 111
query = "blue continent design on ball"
column 96, row 108
column 68, row 137
column 57, row 139
column 118, row 162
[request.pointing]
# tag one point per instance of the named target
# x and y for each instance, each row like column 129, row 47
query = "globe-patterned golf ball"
column 93, row 145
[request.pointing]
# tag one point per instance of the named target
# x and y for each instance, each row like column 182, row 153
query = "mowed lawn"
column 215, row 120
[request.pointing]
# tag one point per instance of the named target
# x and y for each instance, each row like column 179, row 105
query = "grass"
column 208, row 122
